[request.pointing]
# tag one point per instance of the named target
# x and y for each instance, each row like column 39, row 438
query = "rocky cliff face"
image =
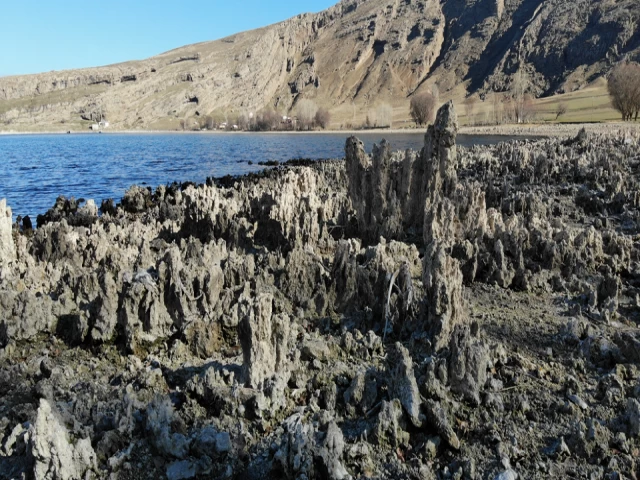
column 353, row 55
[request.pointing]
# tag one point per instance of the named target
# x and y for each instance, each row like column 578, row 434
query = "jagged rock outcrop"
column 403, row 382
column 312, row 448
column 467, row 365
column 263, row 339
column 396, row 197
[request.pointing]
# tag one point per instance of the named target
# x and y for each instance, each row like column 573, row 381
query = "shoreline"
column 507, row 130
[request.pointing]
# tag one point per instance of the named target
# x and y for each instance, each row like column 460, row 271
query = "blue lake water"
column 36, row 169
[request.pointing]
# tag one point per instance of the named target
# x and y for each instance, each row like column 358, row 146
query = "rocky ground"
column 450, row 313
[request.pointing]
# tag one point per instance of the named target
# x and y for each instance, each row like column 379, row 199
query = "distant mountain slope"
column 353, row 55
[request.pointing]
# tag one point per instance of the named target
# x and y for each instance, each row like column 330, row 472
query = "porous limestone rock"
column 54, row 456
column 467, row 364
column 390, row 427
column 395, row 196
column 311, row 449
column 264, row 338
column 442, row 280
column 437, row 417
column 403, row 385
column 7, row 247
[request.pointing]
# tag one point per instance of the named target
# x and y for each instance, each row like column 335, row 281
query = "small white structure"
column 104, row 124
column 95, row 126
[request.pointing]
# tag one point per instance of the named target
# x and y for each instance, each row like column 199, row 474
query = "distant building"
column 104, row 124
column 95, row 126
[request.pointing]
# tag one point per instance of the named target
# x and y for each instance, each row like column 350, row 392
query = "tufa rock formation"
column 266, row 328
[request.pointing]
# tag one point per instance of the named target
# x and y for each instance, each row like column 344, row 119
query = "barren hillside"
column 348, row 58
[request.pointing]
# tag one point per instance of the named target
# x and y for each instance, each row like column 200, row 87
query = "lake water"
column 36, row 169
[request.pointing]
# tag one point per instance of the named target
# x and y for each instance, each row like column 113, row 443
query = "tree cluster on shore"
column 305, row 116
column 624, row 88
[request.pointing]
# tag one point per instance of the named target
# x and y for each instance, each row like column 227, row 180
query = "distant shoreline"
column 511, row 130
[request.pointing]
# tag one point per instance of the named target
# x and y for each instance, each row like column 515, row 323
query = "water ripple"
column 35, row 169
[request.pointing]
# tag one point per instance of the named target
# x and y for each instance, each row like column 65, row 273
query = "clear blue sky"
column 38, row 36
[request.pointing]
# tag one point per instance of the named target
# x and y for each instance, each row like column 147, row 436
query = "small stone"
column 181, row 470
column 507, row 475
column 431, row 447
column 579, row 402
column 223, row 442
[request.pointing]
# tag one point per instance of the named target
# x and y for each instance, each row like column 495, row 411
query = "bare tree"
column 323, row 117
column 519, row 88
column 384, row 115
column 267, row 119
column 561, row 109
column 624, row 88
column 422, row 107
column 498, row 109
column 306, row 113
column 242, row 121
column 470, row 104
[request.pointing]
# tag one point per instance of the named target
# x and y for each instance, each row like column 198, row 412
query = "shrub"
column 306, row 112
column 384, row 115
column 323, row 117
column 422, row 107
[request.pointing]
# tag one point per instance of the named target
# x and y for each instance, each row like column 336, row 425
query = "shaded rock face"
column 467, row 365
column 256, row 328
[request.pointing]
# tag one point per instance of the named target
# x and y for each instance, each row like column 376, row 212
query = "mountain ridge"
column 347, row 58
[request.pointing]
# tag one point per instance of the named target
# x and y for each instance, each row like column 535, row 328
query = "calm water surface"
column 36, row 169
